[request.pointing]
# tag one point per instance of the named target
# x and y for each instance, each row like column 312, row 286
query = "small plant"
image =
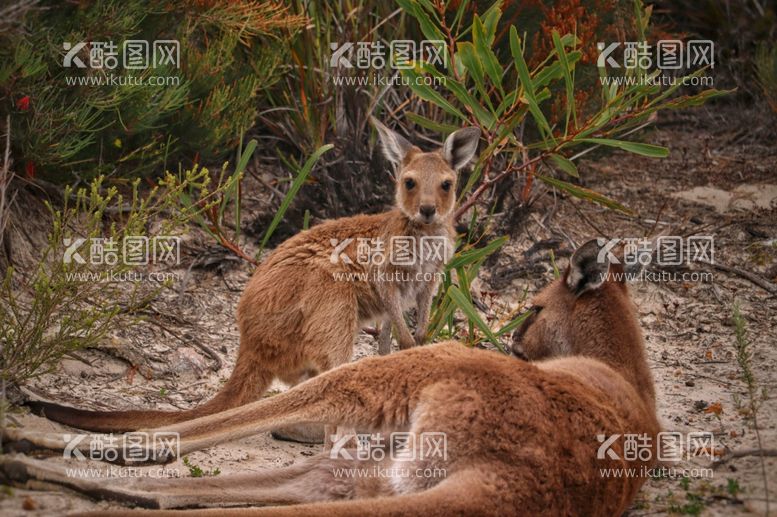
column 455, row 294
column 317, row 101
column 228, row 193
column 733, row 488
column 301, row 174
column 686, row 502
column 744, row 356
column 766, row 73
column 212, row 219
column 73, row 300
column 196, row 471
column 693, row 505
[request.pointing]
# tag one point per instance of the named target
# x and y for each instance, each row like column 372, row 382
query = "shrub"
column 737, row 28
column 766, row 73
column 63, row 128
column 70, row 300
column 510, row 101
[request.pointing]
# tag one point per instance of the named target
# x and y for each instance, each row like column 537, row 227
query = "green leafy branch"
column 506, row 101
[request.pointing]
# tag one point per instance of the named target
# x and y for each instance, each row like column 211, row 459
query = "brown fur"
column 521, row 437
column 296, row 320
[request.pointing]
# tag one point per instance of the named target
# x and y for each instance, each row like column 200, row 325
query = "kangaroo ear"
column 395, row 146
column 461, row 146
column 587, row 269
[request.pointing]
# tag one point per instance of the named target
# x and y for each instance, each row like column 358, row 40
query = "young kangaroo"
column 302, row 309
column 521, row 438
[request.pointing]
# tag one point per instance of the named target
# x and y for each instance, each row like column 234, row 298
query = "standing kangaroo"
column 520, row 438
column 302, row 310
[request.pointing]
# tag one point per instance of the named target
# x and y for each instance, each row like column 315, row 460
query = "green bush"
column 510, row 100
column 766, row 73
column 61, row 128
column 71, row 300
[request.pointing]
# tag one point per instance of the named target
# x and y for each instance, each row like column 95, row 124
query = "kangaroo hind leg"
column 302, row 433
column 312, row 480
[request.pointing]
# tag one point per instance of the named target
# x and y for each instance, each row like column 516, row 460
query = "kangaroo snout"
column 427, row 212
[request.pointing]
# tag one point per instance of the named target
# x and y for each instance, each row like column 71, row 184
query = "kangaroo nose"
column 427, row 210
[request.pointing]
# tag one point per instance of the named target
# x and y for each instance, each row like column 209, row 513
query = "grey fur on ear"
column 460, row 147
column 395, row 147
column 588, row 268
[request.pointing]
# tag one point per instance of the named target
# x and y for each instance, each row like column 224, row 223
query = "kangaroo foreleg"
column 423, row 306
column 384, row 338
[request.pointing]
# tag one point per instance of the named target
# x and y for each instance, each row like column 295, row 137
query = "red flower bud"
column 23, row 104
column 29, row 168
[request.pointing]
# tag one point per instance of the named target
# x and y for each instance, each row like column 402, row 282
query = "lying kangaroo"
column 302, row 309
column 521, row 437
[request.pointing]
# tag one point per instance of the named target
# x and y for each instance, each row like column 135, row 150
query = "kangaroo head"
column 426, row 181
column 575, row 314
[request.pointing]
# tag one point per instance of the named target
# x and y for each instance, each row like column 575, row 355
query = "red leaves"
column 715, row 408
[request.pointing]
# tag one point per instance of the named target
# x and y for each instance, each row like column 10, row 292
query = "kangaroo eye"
column 409, row 184
column 446, row 185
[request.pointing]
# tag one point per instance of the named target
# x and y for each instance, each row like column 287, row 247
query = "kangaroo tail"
column 247, row 383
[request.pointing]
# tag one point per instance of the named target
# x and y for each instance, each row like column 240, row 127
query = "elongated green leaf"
column 566, row 69
column 459, row 12
column 507, row 102
column 439, row 127
column 653, row 151
column 547, row 74
column 472, row 315
column 428, row 27
column 514, row 323
column 462, row 275
column 427, row 93
column 299, row 180
column 543, row 95
column 471, row 256
column 491, row 21
column 242, row 163
column 461, row 93
column 584, row 193
column 443, row 316
column 482, row 114
column 526, row 82
column 427, row 4
column 469, row 58
column 245, row 155
column 485, row 54
column 564, row 164
column 466, row 52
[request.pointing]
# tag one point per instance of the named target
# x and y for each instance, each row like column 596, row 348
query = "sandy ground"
column 186, row 349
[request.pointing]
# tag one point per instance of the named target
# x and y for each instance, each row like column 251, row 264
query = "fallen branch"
column 190, row 341
column 742, row 453
column 757, row 280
